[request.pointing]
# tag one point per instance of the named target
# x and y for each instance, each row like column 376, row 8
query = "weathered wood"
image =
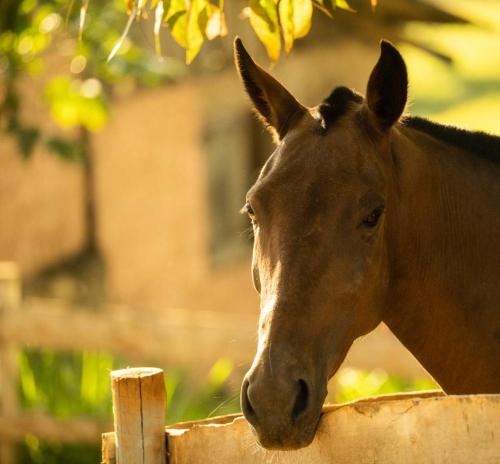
column 453, row 429
column 108, row 448
column 10, row 301
column 419, row 427
column 139, row 401
column 192, row 336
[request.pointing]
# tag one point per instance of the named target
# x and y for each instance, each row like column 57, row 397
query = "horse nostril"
column 301, row 401
column 246, row 406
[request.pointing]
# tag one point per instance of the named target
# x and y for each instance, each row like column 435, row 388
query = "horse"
column 363, row 215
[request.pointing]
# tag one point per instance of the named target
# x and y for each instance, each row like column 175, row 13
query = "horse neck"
column 443, row 251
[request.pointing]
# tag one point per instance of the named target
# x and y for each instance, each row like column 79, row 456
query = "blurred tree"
column 77, row 98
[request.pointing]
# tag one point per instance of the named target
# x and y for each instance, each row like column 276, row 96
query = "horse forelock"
column 337, row 105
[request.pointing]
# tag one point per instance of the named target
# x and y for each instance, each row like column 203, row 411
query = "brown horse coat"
column 360, row 217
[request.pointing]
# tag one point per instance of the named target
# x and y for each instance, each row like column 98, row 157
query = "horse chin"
column 297, row 439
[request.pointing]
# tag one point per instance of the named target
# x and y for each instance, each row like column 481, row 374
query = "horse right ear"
column 274, row 104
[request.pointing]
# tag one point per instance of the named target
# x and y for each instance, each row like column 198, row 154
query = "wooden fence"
column 426, row 427
column 170, row 337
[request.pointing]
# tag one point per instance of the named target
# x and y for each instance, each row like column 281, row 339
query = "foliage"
column 51, row 381
column 191, row 22
column 30, row 32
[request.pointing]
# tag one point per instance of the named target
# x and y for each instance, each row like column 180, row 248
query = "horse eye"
column 249, row 210
column 372, row 219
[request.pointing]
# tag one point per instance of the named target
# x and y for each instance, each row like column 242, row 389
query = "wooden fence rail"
column 170, row 337
column 406, row 428
column 135, row 334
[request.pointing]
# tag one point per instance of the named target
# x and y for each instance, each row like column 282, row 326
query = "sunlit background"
column 120, row 186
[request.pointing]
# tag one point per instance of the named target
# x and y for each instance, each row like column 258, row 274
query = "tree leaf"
column 216, row 25
column 295, row 18
column 129, row 4
column 196, row 26
column 83, row 14
column 159, row 10
column 140, row 6
column 176, row 18
column 26, row 139
column 326, row 6
column 124, row 34
column 343, row 5
column 263, row 17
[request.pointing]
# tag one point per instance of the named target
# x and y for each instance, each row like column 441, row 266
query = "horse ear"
column 387, row 89
column 274, row 104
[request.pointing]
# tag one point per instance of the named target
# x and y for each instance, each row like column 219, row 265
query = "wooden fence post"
column 139, row 401
column 10, row 300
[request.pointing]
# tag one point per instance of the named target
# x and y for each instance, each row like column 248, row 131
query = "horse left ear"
column 275, row 105
column 387, row 89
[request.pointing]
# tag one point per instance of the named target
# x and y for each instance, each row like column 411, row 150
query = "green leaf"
column 83, row 14
column 196, row 26
column 159, row 10
column 343, row 5
column 176, row 18
column 66, row 149
column 26, row 139
column 295, row 18
column 76, row 103
column 122, row 38
column 263, row 17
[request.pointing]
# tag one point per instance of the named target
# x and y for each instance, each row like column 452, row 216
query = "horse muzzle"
column 284, row 410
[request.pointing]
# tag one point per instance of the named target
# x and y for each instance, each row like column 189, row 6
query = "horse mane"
column 482, row 144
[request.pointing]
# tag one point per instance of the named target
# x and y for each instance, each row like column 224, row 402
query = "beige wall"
column 150, row 189
column 41, row 208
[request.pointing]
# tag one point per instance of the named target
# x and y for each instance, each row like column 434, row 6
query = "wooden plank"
column 10, row 301
column 450, row 429
column 139, row 402
column 75, row 430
